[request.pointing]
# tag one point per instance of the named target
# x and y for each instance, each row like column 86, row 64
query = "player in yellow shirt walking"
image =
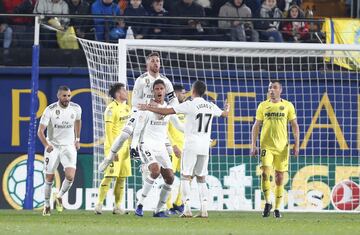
column 116, row 115
column 177, row 141
column 273, row 115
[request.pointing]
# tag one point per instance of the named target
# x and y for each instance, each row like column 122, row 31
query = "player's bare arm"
column 41, row 135
column 77, row 127
column 296, row 133
column 254, row 134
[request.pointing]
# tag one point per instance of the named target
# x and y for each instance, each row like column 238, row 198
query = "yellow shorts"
column 176, row 163
column 120, row 168
column 276, row 159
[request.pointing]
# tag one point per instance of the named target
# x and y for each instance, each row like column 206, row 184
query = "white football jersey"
column 60, row 123
column 199, row 115
column 143, row 90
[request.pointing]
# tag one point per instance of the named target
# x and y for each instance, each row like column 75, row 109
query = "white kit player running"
column 63, row 123
column 151, row 134
column 142, row 94
column 199, row 114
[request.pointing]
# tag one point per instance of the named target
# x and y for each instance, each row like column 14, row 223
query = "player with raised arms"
column 273, row 115
column 199, row 115
column 142, row 94
column 151, row 134
column 62, row 120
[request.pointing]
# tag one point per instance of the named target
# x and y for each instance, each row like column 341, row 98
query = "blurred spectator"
column 239, row 31
column 123, row 5
column 11, row 6
column 169, row 5
column 82, row 25
column 188, row 29
column 270, row 29
column 284, row 5
column 105, row 27
column 138, row 25
column 204, row 3
column 5, row 30
column 295, row 31
column 52, row 7
column 158, row 28
column 255, row 6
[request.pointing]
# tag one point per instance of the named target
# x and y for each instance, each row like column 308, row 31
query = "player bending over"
column 151, row 134
column 199, row 114
column 116, row 115
column 142, row 93
column 273, row 115
column 63, row 123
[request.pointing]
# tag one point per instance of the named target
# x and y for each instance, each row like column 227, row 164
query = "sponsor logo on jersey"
column 274, row 114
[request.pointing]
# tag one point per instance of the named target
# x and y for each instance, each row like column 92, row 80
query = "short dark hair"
column 154, row 53
column 114, row 88
column 178, row 87
column 157, row 1
column 158, row 81
column 276, row 80
column 199, row 87
column 63, row 88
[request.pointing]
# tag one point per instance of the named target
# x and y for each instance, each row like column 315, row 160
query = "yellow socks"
column 266, row 187
column 168, row 202
column 279, row 192
column 119, row 190
column 103, row 189
column 178, row 201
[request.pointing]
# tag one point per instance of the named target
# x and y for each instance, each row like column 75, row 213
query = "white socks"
column 185, row 186
column 164, row 194
column 48, row 186
column 147, row 185
column 66, row 185
column 203, row 192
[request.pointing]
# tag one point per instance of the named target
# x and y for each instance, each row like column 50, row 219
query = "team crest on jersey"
column 147, row 81
column 109, row 113
column 72, row 116
column 57, row 112
column 282, row 107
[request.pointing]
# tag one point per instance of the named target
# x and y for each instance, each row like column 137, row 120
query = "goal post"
column 325, row 177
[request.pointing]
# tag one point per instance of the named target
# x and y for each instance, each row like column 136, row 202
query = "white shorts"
column 159, row 155
column 65, row 154
column 194, row 164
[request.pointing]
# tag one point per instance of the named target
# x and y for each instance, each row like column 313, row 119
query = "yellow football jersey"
column 115, row 116
column 176, row 137
column 275, row 118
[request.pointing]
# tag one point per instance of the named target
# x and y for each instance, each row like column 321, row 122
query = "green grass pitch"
column 85, row 222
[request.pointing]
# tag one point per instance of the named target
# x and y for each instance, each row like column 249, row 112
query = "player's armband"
column 170, row 95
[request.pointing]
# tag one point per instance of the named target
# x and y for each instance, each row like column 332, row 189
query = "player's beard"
column 64, row 103
column 155, row 69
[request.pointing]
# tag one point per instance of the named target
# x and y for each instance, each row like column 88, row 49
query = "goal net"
column 325, row 93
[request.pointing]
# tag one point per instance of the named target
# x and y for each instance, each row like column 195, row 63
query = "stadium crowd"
column 17, row 31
